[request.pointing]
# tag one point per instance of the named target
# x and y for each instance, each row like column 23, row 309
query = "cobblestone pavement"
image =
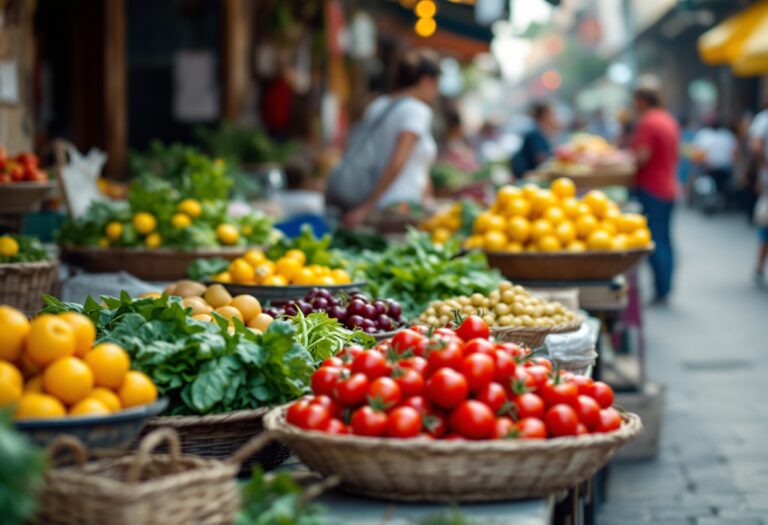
column 710, row 348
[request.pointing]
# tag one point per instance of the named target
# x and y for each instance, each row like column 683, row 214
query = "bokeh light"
column 426, row 9
column 551, row 79
column 425, row 27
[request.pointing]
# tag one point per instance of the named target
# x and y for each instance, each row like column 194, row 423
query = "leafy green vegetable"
column 452, row 517
column 316, row 250
column 21, row 474
column 200, row 366
column 357, row 240
column 241, row 145
column 201, row 269
column 325, row 336
column 30, row 250
column 417, row 272
column 276, row 500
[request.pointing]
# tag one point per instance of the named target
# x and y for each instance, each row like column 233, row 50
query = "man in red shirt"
column 655, row 143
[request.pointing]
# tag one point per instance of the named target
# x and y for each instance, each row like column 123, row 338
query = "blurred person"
column 759, row 137
column 403, row 135
column 655, row 144
column 687, row 133
column 455, row 149
column 537, row 142
column 486, row 141
column 717, row 149
column 626, row 125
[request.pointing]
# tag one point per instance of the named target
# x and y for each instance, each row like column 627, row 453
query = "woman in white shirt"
column 404, row 136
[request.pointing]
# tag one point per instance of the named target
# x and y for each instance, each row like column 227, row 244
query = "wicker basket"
column 438, row 470
column 22, row 285
column 143, row 488
column 566, row 266
column 23, row 197
column 533, row 336
column 219, row 436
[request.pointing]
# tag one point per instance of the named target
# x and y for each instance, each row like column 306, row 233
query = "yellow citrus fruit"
column 217, row 296
column 144, row 222
column 630, row 222
column 229, row 313
column 563, row 187
column 473, row 242
column 576, row 246
column 340, row 276
column 325, row 280
column 227, row 234
column 440, row 235
column 287, row 267
column 585, row 225
column 153, row 240
column 203, row 317
column 265, row 270
column 304, row 277
column 14, row 329
column 274, row 280
column 506, row 194
column 597, row 201
column 549, row 243
column 246, row 230
column 241, row 271
column 486, row 222
column 11, row 384
column 583, row 209
column 514, row 247
column 222, row 277
column 518, row 229
column 137, row 389
column 519, row 207
column 248, row 306
column 612, row 214
column 599, row 240
column 109, row 364
column 106, row 396
column 90, row 406
column 298, row 255
column 619, row 242
column 9, row 247
column 494, row 241
column 34, row 384
column 639, row 238
column 85, row 331
column 543, row 200
column 565, row 232
column 181, row 220
column 69, row 379
column 540, row 228
column 260, row 322
column 608, row 226
column 255, row 257
column 530, row 190
column 114, row 231
column 33, row 405
column 50, row 338
column 570, row 207
column 554, row 214
column 190, row 207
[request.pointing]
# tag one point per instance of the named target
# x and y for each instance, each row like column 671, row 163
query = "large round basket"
column 533, row 337
column 435, row 470
column 23, row 197
column 22, row 285
column 221, row 435
column 160, row 264
column 282, row 294
column 566, row 266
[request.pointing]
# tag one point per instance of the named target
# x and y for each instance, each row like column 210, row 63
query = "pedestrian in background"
column 759, row 134
column 655, row 144
column 718, row 149
column 537, row 142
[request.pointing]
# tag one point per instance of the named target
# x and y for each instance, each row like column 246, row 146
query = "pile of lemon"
column 533, row 219
column 255, row 268
column 50, row 368
column 443, row 224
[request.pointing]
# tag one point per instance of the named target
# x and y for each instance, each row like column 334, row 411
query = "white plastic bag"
column 79, row 178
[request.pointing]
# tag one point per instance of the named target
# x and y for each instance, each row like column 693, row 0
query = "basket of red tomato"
column 452, row 415
column 22, row 181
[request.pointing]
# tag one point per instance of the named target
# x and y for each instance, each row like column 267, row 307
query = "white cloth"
column 410, row 115
column 718, row 146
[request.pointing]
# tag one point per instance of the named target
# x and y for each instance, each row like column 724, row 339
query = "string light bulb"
column 426, row 9
column 425, row 27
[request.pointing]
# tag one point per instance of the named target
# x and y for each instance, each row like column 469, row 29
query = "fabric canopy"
column 726, row 42
column 754, row 53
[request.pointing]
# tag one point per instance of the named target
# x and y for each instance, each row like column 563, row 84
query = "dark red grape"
column 395, row 310
column 380, row 306
column 359, row 295
column 291, row 310
column 274, row 313
column 354, row 321
column 369, row 312
column 365, row 324
column 385, row 323
column 305, row 307
column 320, row 303
column 370, row 330
column 356, row 307
column 337, row 312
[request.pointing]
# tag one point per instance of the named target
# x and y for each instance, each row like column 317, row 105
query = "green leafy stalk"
column 30, row 250
column 21, row 474
column 276, row 500
column 325, row 336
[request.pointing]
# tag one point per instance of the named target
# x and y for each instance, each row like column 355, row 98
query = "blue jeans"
column 659, row 213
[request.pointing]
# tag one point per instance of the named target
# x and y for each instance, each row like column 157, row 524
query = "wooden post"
column 17, row 45
column 234, row 57
column 115, row 86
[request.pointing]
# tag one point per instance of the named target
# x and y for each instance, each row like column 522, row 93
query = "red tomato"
column 473, row 327
column 610, row 420
column 351, row 392
column 524, row 380
column 421, row 329
column 528, row 405
column 482, row 346
column 371, row 363
column 581, row 429
column 561, row 420
column 446, row 333
column 453, row 437
column 505, row 367
column 450, row 355
column 334, row 409
column 554, row 394
column 540, row 374
column 602, row 393
column 410, row 381
column 368, row 422
column 294, row 412
column 314, row 417
column 337, row 426
column 404, row 422
column 493, row 395
column 28, row 159
column 407, row 340
column 503, row 428
column 447, row 388
column 473, row 420
column 335, row 362
column 324, row 380
column 385, row 391
column 436, row 424
column 584, row 384
column 540, row 361
column 512, row 349
column 416, row 363
column 351, row 352
column 17, row 173
column 420, row 403
column 479, row 370
column 531, row 428
column 588, row 411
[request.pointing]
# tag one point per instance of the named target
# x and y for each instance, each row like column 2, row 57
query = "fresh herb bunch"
column 203, row 269
column 356, row 241
column 240, row 145
column 276, row 500
column 30, row 249
column 21, row 473
column 200, row 366
column 417, row 272
column 325, row 336
column 317, row 251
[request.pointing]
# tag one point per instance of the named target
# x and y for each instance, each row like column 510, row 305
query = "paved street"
column 710, row 348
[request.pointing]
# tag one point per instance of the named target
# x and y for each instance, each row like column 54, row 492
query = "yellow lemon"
column 153, row 240
column 287, row 267
column 576, row 246
column 255, row 257
column 530, row 190
column 519, row 229
column 506, row 194
column 514, row 247
column 563, row 187
column 227, row 234
column 518, row 207
column 597, row 202
column 486, row 222
column 14, row 329
column 473, row 242
column 144, row 222
column 11, row 384
column 570, row 207
column 440, row 235
column 583, row 209
column 222, row 277
column 241, row 271
column 305, row 277
column 630, row 222
column 549, row 243
column 565, row 232
column 494, row 241
column 264, row 270
column 540, row 228
column 274, row 280
column 181, row 220
column 619, row 242
column 608, row 226
column 543, row 200
column 9, row 247
column 585, row 225
column 114, row 231
column 340, row 276
column 639, row 238
column 554, row 214
column 298, row 255
column 191, row 207
column 599, row 240
column 103, row 242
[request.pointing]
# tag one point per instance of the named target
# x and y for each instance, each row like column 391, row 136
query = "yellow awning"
column 754, row 53
column 724, row 43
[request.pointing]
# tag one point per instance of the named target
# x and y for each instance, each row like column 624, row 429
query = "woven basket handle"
column 70, row 444
column 250, row 448
column 148, row 445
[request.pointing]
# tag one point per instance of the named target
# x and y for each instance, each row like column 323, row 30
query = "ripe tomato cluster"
column 452, row 384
